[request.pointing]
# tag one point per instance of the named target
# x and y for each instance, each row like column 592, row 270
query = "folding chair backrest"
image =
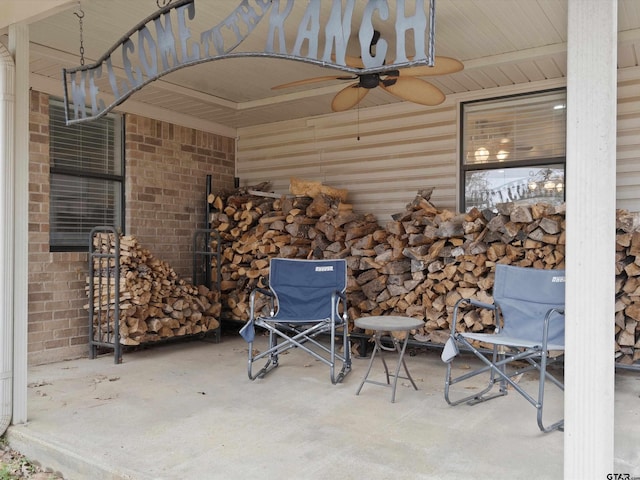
column 303, row 288
column 524, row 296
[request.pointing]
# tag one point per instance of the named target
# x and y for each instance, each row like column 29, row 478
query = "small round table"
column 380, row 325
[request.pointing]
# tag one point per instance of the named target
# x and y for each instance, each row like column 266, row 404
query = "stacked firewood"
column 289, row 227
column 419, row 264
column 154, row 303
column 627, row 306
column 454, row 256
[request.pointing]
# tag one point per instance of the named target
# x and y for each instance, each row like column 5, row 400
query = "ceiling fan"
column 402, row 83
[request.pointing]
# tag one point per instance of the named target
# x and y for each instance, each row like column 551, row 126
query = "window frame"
column 538, row 163
column 90, row 175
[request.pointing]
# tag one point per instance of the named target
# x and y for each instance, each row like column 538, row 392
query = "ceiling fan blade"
column 442, row 66
column 348, row 97
column 415, row 90
column 308, row 81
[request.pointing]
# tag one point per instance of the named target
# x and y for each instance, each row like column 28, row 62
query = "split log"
column 421, row 261
column 154, row 303
column 312, row 189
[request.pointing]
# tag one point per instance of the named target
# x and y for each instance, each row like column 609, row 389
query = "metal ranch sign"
column 170, row 40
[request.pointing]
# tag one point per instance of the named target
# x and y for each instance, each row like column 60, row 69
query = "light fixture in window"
column 490, row 141
column 482, row 154
column 546, row 181
column 502, row 155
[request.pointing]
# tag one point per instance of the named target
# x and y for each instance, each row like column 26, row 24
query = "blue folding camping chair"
column 306, row 300
column 529, row 318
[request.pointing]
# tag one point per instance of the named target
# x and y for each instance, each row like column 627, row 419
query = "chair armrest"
column 478, row 303
column 248, row 331
column 263, row 291
column 252, row 300
column 547, row 320
column 336, row 297
column 547, row 317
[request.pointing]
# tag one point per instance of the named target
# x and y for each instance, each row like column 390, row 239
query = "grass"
column 13, row 466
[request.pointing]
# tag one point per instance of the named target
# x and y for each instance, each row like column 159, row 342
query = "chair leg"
column 481, row 396
column 498, row 374
column 272, row 361
column 559, row 425
column 305, row 340
column 345, row 358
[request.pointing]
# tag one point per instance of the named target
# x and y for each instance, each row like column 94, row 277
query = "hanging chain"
column 80, row 17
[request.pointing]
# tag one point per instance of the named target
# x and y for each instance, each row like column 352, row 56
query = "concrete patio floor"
column 188, row 411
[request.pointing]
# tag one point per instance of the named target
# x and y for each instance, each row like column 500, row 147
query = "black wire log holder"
column 104, row 289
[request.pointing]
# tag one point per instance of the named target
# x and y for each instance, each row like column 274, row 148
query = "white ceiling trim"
column 532, row 54
column 30, row 11
column 288, row 97
column 52, row 87
column 630, row 73
column 628, row 36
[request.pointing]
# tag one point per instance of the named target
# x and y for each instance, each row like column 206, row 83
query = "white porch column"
column 591, row 203
column 19, row 48
column 7, row 109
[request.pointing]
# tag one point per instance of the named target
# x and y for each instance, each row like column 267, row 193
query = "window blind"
column 86, row 178
column 515, row 129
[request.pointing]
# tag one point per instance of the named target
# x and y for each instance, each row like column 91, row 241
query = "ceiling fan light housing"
column 369, row 80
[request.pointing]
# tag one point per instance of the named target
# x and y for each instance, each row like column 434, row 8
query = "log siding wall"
column 381, row 157
column 628, row 142
column 403, row 148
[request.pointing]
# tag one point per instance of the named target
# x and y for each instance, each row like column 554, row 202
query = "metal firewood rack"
column 104, row 284
column 104, row 291
column 206, row 263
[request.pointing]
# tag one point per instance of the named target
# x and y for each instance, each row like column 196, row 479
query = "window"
column 86, row 178
column 513, row 150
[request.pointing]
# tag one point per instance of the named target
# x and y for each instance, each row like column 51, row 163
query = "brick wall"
column 166, row 167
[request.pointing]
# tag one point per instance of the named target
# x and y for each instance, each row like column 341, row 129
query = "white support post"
column 7, row 109
column 590, row 261
column 19, row 48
